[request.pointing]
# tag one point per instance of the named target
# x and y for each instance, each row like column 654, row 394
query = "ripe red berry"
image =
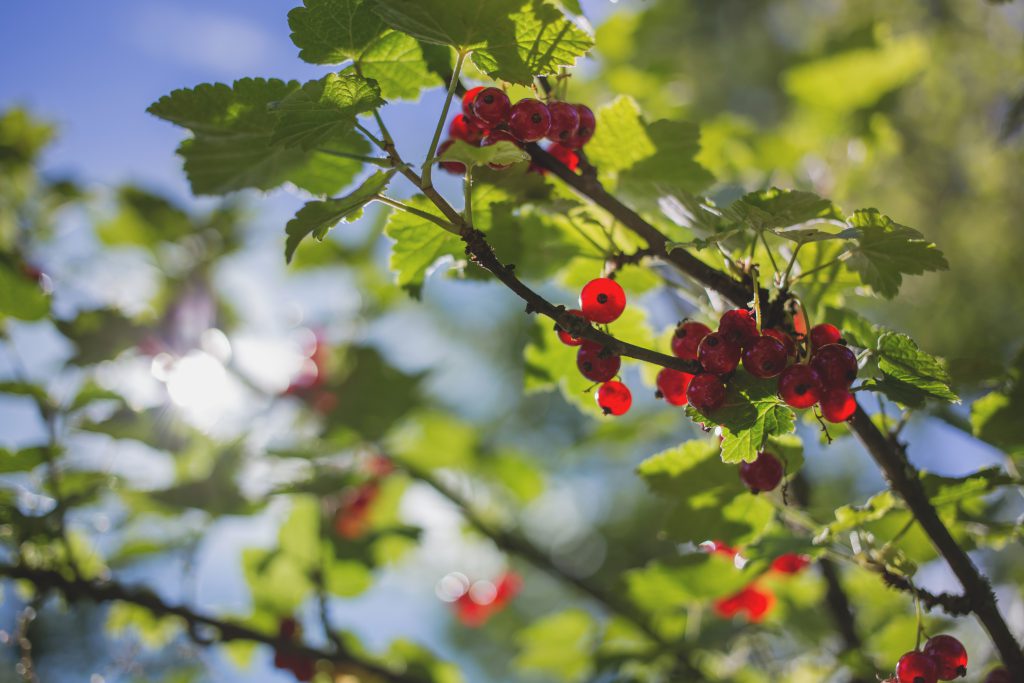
column 492, row 106
column 496, row 136
column 764, row 474
column 672, row 385
column 837, row 405
column 585, row 129
column 565, row 119
column 567, row 338
column 614, row 398
column 786, row 340
column 594, row 364
column 529, row 120
column 602, row 300
column 950, row 656
column 687, row 338
column 753, row 600
column 568, row 157
column 824, row 334
column 765, row 357
column 800, row 386
column 706, row 393
column 836, row 366
column 916, row 667
column 738, row 326
column 1000, row 675
column 463, row 128
column 454, row 167
column 790, row 563
column 467, row 100
column 717, row 354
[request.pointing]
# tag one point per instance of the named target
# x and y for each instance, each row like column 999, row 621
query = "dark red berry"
column 738, row 326
column 454, row 167
column 916, row 667
column 585, row 129
column 492, row 106
column 496, row 136
column 786, row 340
column 567, row 338
column 1000, row 675
column 765, row 357
column 706, row 393
column 717, row 354
column 602, row 300
column 790, row 563
column 569, row 158
column 529, row 120
column 462, row 128
column 764, row 474
column 565, row 119
column 800, row 386
column 836, row 366
column 687, row 338
column 596, row 365
column 824, row 334
column 950, row 656
column 837, row 405
column 614, row 398
column 467, row 100
column 672, row 385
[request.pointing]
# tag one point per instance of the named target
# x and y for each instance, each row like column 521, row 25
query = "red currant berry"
column 836, row 366
column 824, row 334
column 496, row 136
column 916, row 667
column 837, row 405
column 950, row 656
column 672, row 385
column 786, row 340
column 467, row 100
column 717, row 354
column 614, row 398
column 800, row 386
column 585, row 129
column 492, row 106
column 565, row 119
column 567, row 338
column 738, row 326
column 765, row 357
column 1000, row 675
column 594, row 364
column 764, row 474
column 706, row 393
column 529, row 120
column 790, row 563
column 569, row 158
column 602, row 300
column 687, row 338
column 454, row 167
column 462, row 128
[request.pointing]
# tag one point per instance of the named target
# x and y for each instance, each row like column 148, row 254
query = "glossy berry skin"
column 764, row 474
column 602, row 300
column 706, row 393
column 585, row 129
column 916, row 667
column 800, row 386
column 453, row 167
column 569, row 158
column 786, row 340
column 529, row 120
column 837, row 405
column 836, row 366
column 687, row 338
column 756, row 602
column 765, row 357
column 824, row 334
column 492, row 107
column 495, row 136
column 950, row 656
column 738, row 326
column 790, row 563
column 614, row 398
column 1000, row 675
column 564, row 122
column 672, row 386
column 564, row 336
column 595, row 366
column 717, row 354
column 462, row 128
column 467, row 100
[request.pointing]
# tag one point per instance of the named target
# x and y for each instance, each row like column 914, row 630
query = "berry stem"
column 376, row 161
column 467, row 185
column 437, row 220
column 785, row 282
column 771, row 256
column 755, row 274
column 432, row 150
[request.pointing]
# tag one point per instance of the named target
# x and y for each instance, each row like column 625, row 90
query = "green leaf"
column 24, row 460
column 324, row 109
column 620, row 137
column 419, row 244
column 448, row 23
column 347, row 578
column 558, row 646
column 144, row 219
column 372, row 395
column 900, row 358
column 850, row 517
column 22, row 137
column 673, row 168
column 21, row 296
column 775, row 208
column 299, row 536
column 503, row 153
column 885, row 251
column 678, row 583
column 331, row 31
column 434, row 440
column 101, row 334
column 395, row 60
column 277, row 583
column 317, row 218
column 33, row 391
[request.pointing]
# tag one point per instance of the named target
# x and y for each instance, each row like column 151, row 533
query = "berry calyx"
column 585, row 129
column 614, row 398
column 765, row 357
column 837, row 405
column 717, row 354
column 594, row 364
column 1000, row 675
column 836, row 366
column 764, row 474
column 529, row 120
column 565, row 119
column 790, row 563
column 491, row 106
column 496, row 136
column 800, row 386
column 465, row 129
column 950, row 656
column 602, row 300
column 687, row 338
column 564, row 336
column 467, row 100
column 824, row 334
column 738, row 326
column 916, row 667
column 672, row 386
column 786, row 340
column 706, row 393
column 453, row 167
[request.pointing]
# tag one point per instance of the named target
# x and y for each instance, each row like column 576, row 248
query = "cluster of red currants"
column 944, row 658
column 488, row 116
